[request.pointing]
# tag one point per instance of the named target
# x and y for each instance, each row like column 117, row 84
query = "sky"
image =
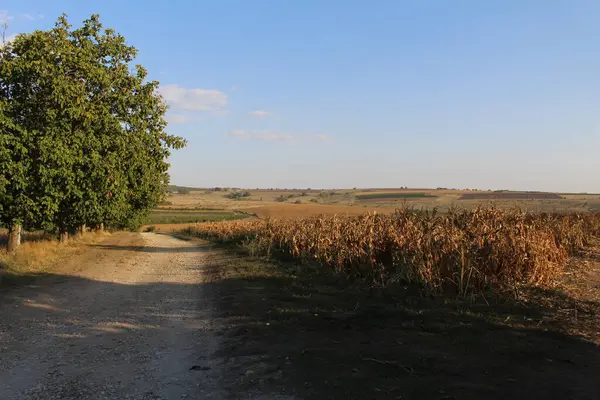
column 343, row 93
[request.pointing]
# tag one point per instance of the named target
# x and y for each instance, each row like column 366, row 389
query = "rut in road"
column 125, row 320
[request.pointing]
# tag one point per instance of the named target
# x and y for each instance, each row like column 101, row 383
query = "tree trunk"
column 83, row 229
column 14, row 237
column 101, row 227
column 63, row 236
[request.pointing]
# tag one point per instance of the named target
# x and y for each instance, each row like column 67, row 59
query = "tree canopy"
column 83, row 135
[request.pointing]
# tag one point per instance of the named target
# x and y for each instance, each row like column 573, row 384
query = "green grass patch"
column 383, row 196
column 192, row 216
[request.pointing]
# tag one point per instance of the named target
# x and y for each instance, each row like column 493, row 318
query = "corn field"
column 463, row 250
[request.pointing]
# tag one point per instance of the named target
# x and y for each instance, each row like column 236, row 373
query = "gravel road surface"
column 124, row 320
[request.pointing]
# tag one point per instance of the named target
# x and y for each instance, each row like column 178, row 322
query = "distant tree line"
column 82, row 132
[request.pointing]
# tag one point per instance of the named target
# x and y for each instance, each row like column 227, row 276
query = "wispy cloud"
column 10, row 38
column 258, row 113
column 177, row 118
column 239, row 134
column 31, row 17
column 5, row 17
column 180, row 98
column 275, row 136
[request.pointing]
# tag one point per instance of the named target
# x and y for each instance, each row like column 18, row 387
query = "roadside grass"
column 299, row 330
column 39, row 253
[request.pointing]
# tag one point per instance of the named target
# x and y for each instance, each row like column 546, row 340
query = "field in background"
column 305, row 210
column 396, row 195
column 509, row 196
column 297, row 202
column 181, row 216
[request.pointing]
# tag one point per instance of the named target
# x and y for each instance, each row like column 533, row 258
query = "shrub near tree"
column 83, row 138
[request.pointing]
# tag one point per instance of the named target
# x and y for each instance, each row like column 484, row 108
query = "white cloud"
column 7, row 39
column 177, row 118
column 4, row 17
column 31, row 17
column 274, row 136
column 180, row 98
column 10, row 38
column 240, row 133
column 258, row 113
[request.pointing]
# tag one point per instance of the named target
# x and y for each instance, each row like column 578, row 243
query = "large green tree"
column 85, row 132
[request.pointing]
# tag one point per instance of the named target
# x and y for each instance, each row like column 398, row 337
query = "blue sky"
column 332, row 93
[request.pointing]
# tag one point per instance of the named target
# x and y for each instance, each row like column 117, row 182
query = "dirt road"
column 125, row 320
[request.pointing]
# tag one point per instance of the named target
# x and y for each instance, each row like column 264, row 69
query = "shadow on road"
column 288, row 330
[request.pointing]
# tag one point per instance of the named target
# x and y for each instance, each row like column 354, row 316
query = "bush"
column 150, row 228
column 237, row 195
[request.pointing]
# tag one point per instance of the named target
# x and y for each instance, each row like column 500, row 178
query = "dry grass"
column 40, row 253
column 466, row 251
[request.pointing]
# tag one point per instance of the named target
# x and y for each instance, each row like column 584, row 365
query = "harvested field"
column 509, row 196
column 304, row 210
column 180, row 216
column 396, row 195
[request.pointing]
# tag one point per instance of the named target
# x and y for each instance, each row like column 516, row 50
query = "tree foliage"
column 83, row 135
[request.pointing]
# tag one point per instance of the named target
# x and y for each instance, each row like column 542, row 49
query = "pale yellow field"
column 344, row 201
column 303, row 210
